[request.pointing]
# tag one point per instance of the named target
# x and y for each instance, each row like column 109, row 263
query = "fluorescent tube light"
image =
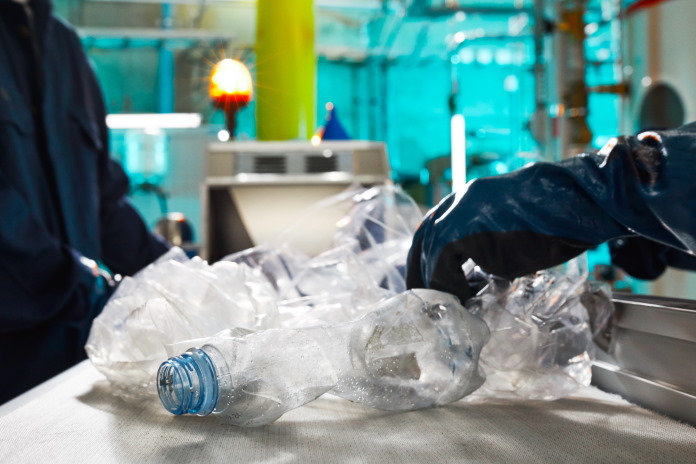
column 153, row 121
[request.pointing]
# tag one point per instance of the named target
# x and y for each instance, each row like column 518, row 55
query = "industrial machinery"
column 254, row 190
column 661, row 81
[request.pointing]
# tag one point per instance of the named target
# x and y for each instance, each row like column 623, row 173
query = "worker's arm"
column 43, row 280
column 126, row 243
column 547, row 213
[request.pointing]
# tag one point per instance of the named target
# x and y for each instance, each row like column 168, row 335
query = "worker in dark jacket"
column 62, row 199
column 636, row 193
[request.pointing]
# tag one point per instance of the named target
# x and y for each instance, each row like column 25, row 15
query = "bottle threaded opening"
column 187, row 384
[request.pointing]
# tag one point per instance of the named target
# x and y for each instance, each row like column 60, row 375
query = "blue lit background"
column 386, row 66
column 389, row 76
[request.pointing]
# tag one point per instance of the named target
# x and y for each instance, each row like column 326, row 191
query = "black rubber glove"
column 646, row 259
column 546, row 213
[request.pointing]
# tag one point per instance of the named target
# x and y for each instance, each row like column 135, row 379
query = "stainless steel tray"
column 652, row 355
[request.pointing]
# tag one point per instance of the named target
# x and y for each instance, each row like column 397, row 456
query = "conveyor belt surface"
column 76, row 419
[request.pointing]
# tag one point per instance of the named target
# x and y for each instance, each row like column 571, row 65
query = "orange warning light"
column 230, row 82
column 230, row 89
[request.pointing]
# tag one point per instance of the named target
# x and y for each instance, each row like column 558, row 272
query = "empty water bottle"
column 417, row 349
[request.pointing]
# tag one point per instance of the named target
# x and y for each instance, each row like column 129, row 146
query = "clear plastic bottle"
column 417, row 349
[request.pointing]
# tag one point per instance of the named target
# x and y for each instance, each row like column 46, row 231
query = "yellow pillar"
column 285, row 70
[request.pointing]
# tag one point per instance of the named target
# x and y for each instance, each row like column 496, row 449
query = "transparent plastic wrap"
column 416, row 349
column 541, row 343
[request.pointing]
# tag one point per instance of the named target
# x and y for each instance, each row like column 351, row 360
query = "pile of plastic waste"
column 269, row 329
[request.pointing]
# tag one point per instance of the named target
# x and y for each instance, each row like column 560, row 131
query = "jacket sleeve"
column 547, row 213
column 126, row 243
column 44, row 280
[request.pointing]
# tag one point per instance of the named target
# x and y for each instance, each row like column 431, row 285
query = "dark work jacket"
column 61, row 198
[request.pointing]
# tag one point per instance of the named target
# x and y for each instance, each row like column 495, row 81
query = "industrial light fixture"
column 458, row 154
column 230, row 90
column 151, row 121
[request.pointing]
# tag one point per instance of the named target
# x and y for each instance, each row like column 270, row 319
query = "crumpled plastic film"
column 541, row 344
column 171, row 300
column 364, row 263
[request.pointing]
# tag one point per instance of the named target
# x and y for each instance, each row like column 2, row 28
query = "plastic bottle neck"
column 187, row 384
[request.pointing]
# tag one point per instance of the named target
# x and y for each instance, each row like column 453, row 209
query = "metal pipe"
column 575, row 132
column 541, row 124
column 165, row 71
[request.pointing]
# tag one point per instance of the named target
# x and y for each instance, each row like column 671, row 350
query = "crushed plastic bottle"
column 172, row 300
column 417, row 349
column 541, row 343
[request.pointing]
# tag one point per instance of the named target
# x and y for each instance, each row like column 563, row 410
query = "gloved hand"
column 547, row 213
column 97, row 286
column 645, row 259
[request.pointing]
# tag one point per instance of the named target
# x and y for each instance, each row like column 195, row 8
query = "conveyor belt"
column 75, row 419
